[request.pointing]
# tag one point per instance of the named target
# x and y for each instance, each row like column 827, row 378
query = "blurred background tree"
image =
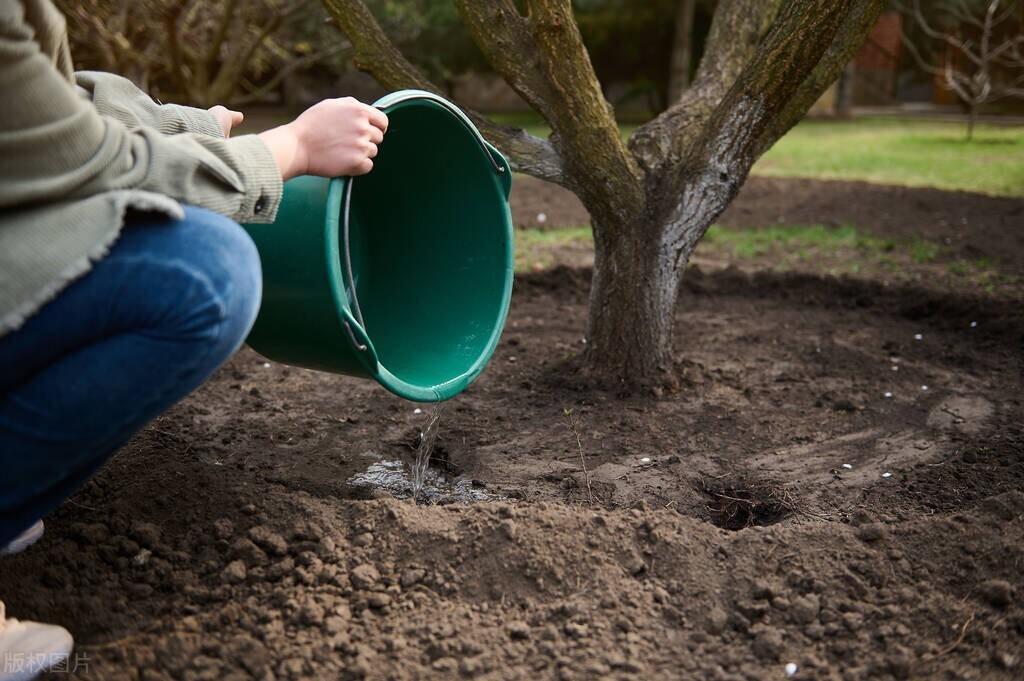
column 221, row 52
column 238, row 52
column 973, row 48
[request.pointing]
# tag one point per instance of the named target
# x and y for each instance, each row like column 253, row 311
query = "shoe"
column 27, row 649
column 24, row 540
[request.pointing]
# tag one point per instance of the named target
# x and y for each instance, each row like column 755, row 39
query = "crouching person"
column 125, row 278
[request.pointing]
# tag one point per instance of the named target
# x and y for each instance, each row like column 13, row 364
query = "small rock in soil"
column 280, row 569
column 901, row 663
column 518, row 630
column 872, row 532
column 717, row 620
column 146, row 534
column 244, row 549
column 141, row 559
column 574, row 630
column 411, row 577
column 444, row 664
column 378, row 600
column 997, row 592
column 223, row 528
column 805, row 609
column 1004, row 660
column 364, row 576
column 634, row 564
column 311, row 613
column 268, row 540
column 364, row 539
column 768, row 644
column 762, row 590
column 91, row 533
column 234, row 573
column 508, row 529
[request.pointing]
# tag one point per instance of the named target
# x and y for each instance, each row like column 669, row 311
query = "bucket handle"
column 361, row 347
column 353, row 298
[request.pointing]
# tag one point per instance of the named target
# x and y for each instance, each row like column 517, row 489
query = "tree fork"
column 765, row 63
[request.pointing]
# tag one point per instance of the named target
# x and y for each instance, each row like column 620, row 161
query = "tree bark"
column 682, row 50
column 632, row 303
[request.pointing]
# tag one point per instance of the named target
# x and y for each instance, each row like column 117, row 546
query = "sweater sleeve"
column 55, row 145
column 117, row 97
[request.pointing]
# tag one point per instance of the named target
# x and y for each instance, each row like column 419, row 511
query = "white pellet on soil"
column 645, row 459
column 918, row 336
column 266, row 365
column 886, row 475
column 848, row 466
column 791, row 669
column 888, row 395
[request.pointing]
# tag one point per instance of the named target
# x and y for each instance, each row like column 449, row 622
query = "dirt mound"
column 385, row 589
column 798, row 501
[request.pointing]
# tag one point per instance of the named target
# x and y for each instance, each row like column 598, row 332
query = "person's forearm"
column 286, row 150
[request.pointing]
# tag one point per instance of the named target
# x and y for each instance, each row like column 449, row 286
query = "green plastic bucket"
column 403, row 275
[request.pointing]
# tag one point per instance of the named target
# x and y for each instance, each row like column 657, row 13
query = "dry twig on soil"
column 574, row 427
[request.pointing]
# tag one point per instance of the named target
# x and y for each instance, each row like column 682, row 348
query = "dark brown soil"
column 971, row 225
column 720, row 532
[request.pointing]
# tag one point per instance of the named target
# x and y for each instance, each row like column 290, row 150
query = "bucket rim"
column 339, row 203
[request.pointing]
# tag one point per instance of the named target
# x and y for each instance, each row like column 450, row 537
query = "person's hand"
column 226, row 118
column 336, row 137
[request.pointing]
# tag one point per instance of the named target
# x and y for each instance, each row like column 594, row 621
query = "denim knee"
column 225, row 257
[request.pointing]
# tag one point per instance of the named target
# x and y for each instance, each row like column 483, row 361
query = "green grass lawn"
column 842, row 250
column 909, row 152
column 906, row 152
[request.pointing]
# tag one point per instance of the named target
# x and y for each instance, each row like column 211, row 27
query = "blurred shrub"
column 202, row 53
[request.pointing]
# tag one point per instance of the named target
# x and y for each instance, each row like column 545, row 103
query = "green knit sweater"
column 79, row 150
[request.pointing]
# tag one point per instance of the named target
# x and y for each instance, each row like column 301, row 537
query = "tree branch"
column 377, row 55
column 542, row 56
column 935, row 34
column 848, row 40
column 736, row 30
column 720, row 161
column 222, row 32
column 171, row 22
column 289, row 69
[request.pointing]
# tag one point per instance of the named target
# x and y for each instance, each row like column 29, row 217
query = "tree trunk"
column 682, row 51
column 632, row 304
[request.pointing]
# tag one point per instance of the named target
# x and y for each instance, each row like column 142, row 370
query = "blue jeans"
column 145, row 327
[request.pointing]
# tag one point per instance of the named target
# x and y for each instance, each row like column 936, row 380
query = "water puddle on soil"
column 415, row 478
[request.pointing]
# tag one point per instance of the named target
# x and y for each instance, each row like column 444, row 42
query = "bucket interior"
column 429, row 249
